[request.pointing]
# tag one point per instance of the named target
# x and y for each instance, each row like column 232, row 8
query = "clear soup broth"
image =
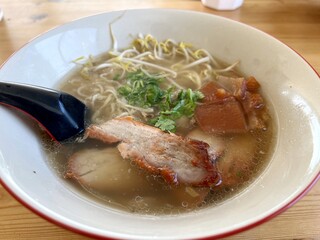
column 119, row 183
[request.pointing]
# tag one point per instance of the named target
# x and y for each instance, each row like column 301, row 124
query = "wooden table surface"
column 294, row 22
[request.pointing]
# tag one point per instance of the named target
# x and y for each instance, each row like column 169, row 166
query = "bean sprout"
column 178, row 64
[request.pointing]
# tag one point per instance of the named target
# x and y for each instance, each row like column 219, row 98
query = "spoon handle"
column 61, row 114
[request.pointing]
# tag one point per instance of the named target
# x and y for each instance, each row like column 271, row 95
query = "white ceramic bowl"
column 290, row 84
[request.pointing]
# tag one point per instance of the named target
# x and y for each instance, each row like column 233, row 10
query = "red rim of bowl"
column 217, row 236
column 222, row 235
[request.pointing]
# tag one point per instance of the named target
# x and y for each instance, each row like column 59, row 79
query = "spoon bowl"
column 60, row 114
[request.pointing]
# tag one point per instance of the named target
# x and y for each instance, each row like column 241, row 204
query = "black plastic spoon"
column 61, row 114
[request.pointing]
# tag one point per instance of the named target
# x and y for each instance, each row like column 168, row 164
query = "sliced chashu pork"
column 104, row 171
column 237, row 155
column 176, row 159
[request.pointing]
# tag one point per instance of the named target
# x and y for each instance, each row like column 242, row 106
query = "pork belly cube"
column 225, row 116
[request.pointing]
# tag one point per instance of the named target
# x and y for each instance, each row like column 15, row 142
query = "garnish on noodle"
column 158, row 80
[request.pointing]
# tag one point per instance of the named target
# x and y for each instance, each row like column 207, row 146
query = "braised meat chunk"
column 220, row 112
column 231, row 105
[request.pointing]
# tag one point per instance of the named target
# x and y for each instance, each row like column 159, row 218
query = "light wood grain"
column 294, row 22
